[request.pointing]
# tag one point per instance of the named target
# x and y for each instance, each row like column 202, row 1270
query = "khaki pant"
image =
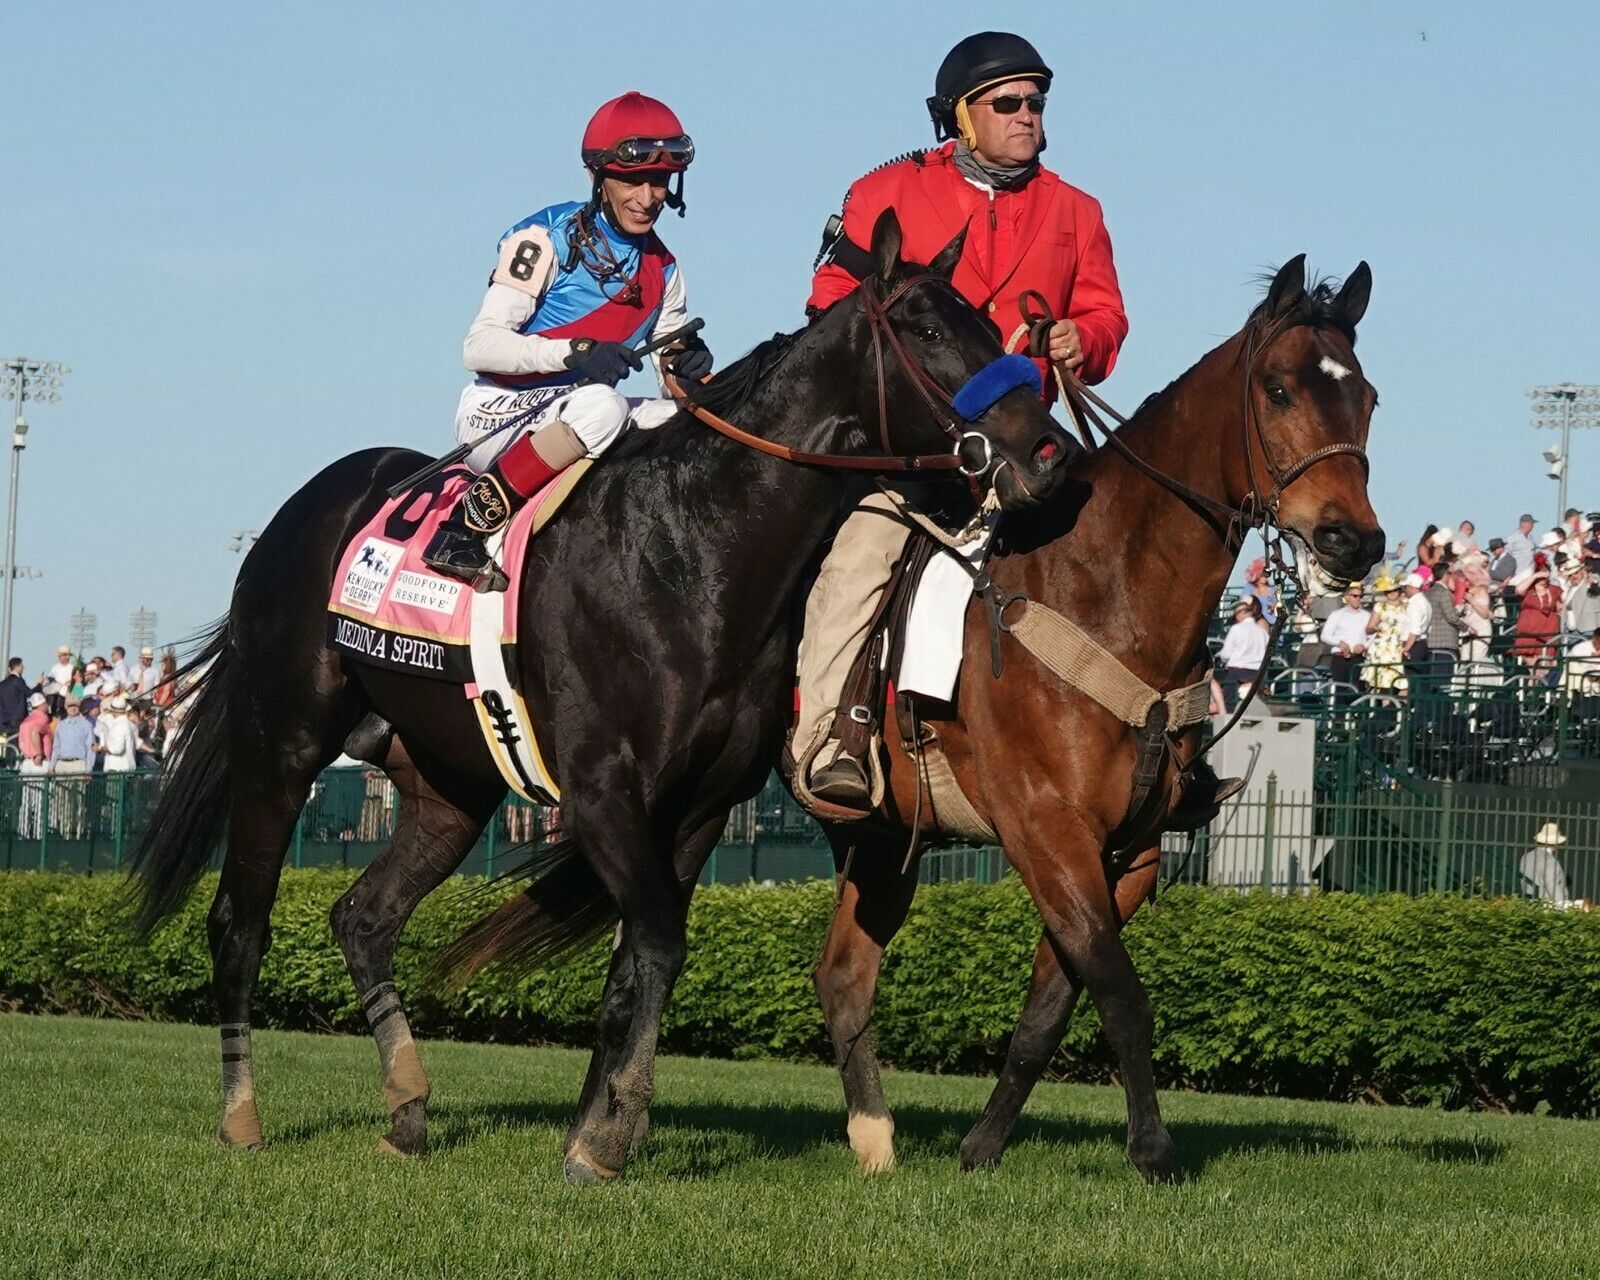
column 839, row 611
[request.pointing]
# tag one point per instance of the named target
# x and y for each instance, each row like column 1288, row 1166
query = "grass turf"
column 108, row 1168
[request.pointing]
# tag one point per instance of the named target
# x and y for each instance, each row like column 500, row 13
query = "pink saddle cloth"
column 391, row 610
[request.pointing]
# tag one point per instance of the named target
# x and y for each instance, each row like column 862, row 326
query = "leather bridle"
column 1255, row 511
column 937, row 399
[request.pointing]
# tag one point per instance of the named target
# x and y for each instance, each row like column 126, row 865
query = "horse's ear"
column 886, row 245
column 1351, row 300
column 944, row 262
column 1287, row 286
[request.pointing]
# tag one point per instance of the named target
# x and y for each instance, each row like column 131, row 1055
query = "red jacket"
column 1048, row 236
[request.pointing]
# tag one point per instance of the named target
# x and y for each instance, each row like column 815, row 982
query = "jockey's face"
column 635, row 201
column 1014, row 139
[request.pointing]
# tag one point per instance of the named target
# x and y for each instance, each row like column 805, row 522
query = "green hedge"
column 1416, row 1000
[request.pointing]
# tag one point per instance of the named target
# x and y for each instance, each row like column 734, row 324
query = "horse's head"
column 1010, row 443
column 1307, row 412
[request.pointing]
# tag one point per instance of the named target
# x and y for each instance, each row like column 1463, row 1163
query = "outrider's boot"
column 844, row 783
column 1202, row 798
column 458, row 546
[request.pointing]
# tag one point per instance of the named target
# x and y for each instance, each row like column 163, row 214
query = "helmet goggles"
column 673, row 153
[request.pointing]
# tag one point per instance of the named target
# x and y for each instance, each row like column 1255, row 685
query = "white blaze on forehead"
column 1333, row 369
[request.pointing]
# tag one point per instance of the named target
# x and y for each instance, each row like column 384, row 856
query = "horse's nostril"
column 1045, row 452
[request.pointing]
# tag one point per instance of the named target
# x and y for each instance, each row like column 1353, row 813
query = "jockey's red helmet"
column 636, row 132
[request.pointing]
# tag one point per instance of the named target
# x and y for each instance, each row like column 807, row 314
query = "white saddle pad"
column 931, row 660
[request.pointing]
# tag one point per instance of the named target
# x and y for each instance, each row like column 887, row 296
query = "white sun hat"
column 1550, row 834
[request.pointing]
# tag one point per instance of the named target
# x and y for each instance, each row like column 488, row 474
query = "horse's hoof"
column 583, row 1171
column 1155, row 1157
column 978, row 1155
column 240, row 1129
column 872, row 1139
column 408, row 1132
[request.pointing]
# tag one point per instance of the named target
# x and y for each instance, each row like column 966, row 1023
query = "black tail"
column 191, row 812
column 563, row 908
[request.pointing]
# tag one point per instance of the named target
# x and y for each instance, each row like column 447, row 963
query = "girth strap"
column 1075, row 657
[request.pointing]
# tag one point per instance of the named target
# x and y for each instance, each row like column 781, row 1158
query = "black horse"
column 659, row 617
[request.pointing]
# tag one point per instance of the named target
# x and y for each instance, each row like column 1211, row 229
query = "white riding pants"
column 597, row 415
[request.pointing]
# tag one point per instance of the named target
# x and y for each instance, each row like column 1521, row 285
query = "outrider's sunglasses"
column 1008, row 104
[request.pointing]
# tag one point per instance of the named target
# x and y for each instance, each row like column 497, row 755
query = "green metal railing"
column 1412, row 795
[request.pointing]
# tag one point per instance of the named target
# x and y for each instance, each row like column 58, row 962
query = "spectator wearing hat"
column 34, row 738
column 1244, row 650
column 118, row 739
column 1346, row 633
column 13, row 699
column 1541, row 868
column 93, row 677
column 1414, row 639
column 144, row 677
column 1256, row 587
column 61, row 673
column 71, row 754
column 1539, row 619
column 1581, row 594
column 1385, row 635
column 1502, row 565
column 166, row 692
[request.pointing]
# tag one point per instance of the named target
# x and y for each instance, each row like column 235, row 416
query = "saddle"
column 1066, row 650
column 388, row 609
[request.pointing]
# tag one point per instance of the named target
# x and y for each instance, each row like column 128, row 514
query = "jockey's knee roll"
column 596, row 415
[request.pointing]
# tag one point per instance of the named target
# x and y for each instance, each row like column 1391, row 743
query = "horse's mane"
column 727, row 392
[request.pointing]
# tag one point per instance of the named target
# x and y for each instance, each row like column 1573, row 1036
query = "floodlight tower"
column 23, row 379
column 1565, row 405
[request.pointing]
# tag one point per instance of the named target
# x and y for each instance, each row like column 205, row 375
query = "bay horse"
column 1141, row 565
column 659, row 625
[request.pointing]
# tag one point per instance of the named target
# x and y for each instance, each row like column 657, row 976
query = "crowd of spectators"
column 1453, row 607
column 81, row 716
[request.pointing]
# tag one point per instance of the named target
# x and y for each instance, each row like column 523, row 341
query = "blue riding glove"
column 692, row 362
column 607, row 362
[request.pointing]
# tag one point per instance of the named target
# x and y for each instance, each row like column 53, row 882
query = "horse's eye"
column 928, row 333
column 1278, row 394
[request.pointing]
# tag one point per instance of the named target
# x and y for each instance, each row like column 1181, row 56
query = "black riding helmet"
column 990, row 57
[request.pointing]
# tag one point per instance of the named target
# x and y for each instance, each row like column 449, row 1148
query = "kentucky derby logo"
column 369, row 574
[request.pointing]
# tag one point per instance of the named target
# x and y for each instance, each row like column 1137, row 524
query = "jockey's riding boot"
column 532, row 461
column 844, row 783
column 1202, row 798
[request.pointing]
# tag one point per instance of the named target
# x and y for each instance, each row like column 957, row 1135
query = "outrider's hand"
column 1066, row 344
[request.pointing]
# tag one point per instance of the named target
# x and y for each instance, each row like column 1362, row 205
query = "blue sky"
column 258, row 233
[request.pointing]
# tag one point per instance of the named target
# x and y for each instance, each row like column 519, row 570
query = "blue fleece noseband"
column 994, row 380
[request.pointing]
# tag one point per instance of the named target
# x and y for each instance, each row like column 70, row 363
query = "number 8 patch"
column 526, row 261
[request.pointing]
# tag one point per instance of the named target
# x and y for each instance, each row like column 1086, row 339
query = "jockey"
column 576, row 287
column 1026, row 230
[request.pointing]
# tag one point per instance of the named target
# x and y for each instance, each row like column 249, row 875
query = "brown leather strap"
column 835, row 461
column 934, row 396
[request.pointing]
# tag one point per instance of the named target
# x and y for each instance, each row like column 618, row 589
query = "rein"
column 933, row 395
column 1255, row 512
